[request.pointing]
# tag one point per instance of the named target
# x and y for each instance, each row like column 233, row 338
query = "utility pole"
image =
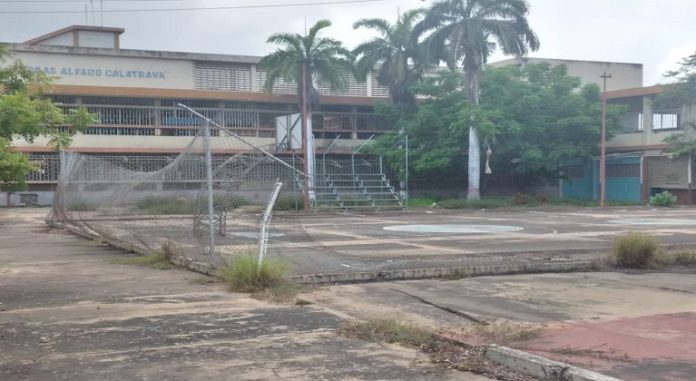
column 603, row 154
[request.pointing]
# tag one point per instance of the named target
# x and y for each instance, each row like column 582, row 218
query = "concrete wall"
column 650, row 136
column 95, row 39
column 624, row 75
column 45, row 198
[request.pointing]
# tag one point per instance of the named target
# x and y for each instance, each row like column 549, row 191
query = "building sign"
column 99, row 72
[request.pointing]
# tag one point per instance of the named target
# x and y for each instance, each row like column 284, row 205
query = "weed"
column 457, row 274
column 685, row 258
column 246, row 275
column 391, row 331
column 664, row 199
column 636, row 250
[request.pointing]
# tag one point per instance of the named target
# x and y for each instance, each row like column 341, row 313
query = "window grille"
column 353, row 87
column 623, row 170
column 280, row 87
column 665, row 120
column 222, row 76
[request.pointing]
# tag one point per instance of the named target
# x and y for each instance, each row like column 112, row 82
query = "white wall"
column 112, row 71
column 93, row 39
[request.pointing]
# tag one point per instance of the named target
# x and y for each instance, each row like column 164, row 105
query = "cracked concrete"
column 67, row 313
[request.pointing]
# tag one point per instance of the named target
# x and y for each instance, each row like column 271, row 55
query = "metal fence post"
column 211, row 209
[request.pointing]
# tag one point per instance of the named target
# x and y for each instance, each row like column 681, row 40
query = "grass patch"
column 390, row 331
column 484, row 203
column 520, row 200
column 82, row 207
column 421, row 202
column 685, row 258
column 636, row 251
column 164, row 205
column 245, row 274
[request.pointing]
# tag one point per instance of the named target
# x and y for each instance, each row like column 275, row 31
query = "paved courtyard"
column 68, row 313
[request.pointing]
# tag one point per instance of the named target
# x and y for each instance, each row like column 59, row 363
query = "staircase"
column 371, row 191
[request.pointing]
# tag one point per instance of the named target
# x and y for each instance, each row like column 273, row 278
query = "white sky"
column 656, row 33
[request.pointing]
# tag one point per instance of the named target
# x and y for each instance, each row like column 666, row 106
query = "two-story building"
column 135, row 93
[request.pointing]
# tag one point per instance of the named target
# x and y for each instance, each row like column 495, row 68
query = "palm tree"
column 467, row 32
column 303, row 59
column 395, row 53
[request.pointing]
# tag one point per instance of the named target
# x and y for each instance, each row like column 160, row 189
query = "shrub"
column 635, row 250
column 246, row 275
column 685, row 258
column 520, row 199
column 289, row 203
column 663, row 199
column 421, row 202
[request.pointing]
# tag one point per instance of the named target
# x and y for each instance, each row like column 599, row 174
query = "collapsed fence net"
column 210, row 204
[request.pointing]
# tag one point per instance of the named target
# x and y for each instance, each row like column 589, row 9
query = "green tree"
column 537, row 115
column 547, row 117
column 25, row 112
column 679, row 93
column 13, row 169
column 395, row 54
column 467, row 32
column 320, row 58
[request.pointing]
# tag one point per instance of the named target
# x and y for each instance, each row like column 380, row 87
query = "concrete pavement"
column 636, row 326
column 67, row 313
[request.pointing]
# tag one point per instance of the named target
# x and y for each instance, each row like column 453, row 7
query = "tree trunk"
column 474, row 179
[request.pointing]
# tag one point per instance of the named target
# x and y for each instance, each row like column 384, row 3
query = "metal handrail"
column 323, row 157
column 352, row 157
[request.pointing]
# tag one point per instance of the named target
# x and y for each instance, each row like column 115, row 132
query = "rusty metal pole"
column 603, row 154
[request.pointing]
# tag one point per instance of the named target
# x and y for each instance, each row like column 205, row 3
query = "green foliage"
column 664, row 199
column 390, row 331
column 484, row 203
column 416, row 202
column 288, row 203
column 24, row 112
column 635, row 250
column 534, row 118
column 323, row 57
column 681, row 92
column 13, row 168
column 246, row 275
column 396, row 53
column 158, row 205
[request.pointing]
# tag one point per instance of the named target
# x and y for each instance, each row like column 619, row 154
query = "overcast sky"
column 656, row 33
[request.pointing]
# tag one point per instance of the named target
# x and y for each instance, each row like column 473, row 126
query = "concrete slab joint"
column 541, row 367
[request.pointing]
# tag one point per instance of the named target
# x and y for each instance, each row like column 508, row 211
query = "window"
column 665, row 120
column 631, row 122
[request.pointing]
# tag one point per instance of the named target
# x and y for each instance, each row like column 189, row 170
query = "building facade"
column 135, row 93
column 637, row 163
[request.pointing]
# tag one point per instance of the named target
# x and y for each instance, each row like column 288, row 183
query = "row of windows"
column 248, row 78
column 661, row 120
